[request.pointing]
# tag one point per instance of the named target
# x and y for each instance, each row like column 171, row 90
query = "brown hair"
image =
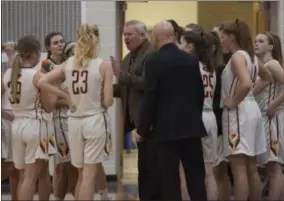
column 276, row 52
column 27, row 47
column 47, row 41
column 203, row 47
column 240, row 30
column 195, row 27
column 217, row 53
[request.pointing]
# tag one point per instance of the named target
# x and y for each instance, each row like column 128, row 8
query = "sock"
column 104, row 194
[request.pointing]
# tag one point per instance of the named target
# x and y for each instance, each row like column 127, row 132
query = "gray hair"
column 140, row 27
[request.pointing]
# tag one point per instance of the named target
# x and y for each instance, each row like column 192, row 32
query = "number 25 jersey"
column 27, row 102
column 209, row 83
column 85, row 87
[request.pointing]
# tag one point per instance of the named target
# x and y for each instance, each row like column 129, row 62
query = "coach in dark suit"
column 172, row 107
column 130, row 88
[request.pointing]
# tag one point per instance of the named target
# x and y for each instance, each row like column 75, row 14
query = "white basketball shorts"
column 243, row 130
column 274, row 140
column 6, row 141
column 29, row 141
column 89, row 139
column 209, row 143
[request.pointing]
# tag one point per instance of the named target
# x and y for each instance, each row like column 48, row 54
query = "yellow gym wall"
column 205, row 13
column 210, row 13
column 151, row 12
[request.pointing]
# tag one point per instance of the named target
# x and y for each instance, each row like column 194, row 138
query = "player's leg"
column 239, row 170
column 222, row 180
column 101, row 182
column 96, row 150
column 184, row 192
column 209, row 145
column 72, row 174
column 273, row 158
column 14, row 180
column 60, row 184
column 44, row 183
column 76, row 144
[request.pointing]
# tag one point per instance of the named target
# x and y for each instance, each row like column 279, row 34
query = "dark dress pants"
column 149, row 174
column 189, row 151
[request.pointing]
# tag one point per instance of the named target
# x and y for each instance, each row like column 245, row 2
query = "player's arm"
column 272, row 108
column 276, row 70
column 53, row 76
column 48, row 100
column 107, row 73
column 240, row 71
column 62, row 103
column 264, row 73
column 276, row 102
column 8, row 115
column 260, row 86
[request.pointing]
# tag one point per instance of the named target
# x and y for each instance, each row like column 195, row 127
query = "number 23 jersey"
column 209, row 83
column 85, row 87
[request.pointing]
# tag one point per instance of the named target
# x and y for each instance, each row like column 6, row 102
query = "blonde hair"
column 87, row 45
column 26, row 48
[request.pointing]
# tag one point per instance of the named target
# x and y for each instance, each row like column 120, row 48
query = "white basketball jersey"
column 230, row 81
column 264, row 98
column 209, row 82
column 27, row 103
column 85, row 87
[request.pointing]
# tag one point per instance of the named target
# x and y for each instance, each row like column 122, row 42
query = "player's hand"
column 229, row 103
column 8, row 116
column 115, row 67
column 9, row 48
column 72, row 107
column 271, row 111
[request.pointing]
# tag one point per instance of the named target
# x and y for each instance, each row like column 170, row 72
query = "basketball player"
column 221, row 168
column 243, row 130
column 8, row 169
column 89, row 81
column 29, row 127
column 268, row 51
column 54, row 43
column 200, row 44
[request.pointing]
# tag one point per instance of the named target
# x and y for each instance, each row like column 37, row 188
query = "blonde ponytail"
column 86, row 47
column 15, row 74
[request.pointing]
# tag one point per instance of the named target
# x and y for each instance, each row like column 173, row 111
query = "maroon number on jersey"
column 208, row 86
column 80, row 82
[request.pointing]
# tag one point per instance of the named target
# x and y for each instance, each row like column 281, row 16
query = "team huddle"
column 249, row 131
column 41, row 120
column 59, row 107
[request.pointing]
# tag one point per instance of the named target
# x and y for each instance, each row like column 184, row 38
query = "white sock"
column 104, row 194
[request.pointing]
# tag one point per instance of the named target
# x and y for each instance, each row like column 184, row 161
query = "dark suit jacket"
column 173, row 97
column 130, row 86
